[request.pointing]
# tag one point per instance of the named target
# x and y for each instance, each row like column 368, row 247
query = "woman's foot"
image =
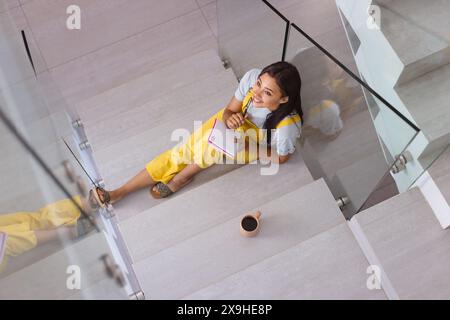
column 161, row 190
column 115, row 196
column 99, row 197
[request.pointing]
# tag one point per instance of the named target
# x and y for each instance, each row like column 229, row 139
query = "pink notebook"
column 223, row 139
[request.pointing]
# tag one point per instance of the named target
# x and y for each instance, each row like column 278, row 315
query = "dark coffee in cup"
column 249, row 223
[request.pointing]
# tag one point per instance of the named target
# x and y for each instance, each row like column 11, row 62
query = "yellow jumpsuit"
column 197, row 149
column 21, row 226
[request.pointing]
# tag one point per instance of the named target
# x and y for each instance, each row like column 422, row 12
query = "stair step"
column 212, row 203
column 440, row 172
column 427, row 101
column 137, row 55
column 418, row 33
column 160, row 82
column 141, row 200
column 47, row 278
column 410, row 245
column 190, row 103
column 329, row 265
column 220, row 251
column 106, row 24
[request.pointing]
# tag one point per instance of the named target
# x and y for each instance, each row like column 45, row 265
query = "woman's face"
column 267, row 93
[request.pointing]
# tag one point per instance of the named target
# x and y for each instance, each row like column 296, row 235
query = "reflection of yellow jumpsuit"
column 20, row 226
column 197, row 149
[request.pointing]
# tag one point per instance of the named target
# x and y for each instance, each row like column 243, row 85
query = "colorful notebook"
column 223, row 139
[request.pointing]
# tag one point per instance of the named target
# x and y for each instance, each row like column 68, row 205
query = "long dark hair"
column 288, row 79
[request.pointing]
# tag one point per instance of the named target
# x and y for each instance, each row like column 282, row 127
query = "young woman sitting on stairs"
column 265, row 99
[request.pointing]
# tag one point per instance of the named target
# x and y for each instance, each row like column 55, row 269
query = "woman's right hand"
column 235, row 120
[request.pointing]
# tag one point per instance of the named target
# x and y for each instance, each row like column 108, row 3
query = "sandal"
column 94, row 198
column 163, row 191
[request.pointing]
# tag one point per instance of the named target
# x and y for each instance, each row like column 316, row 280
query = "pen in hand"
column 236, row 120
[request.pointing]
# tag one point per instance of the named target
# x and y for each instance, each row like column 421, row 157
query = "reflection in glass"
column 34, row 211
column 339, row 140
column 26, row 230
column 45, row 213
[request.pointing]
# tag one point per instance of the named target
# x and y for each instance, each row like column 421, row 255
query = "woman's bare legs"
column 143, row 180
column 43, row 236
column 183, row 177
column 139, row 181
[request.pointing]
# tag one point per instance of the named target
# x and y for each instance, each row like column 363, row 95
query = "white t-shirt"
column 285, row 137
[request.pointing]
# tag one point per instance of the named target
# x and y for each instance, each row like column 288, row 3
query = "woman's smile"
column 256, row 100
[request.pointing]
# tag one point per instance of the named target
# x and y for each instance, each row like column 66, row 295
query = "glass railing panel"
column 24, row 101
column 401, row 50
column 348, row 133
column 51, row 250
column 33, row 100
column 250, row 35
column 44, row 202
column 411, row 37
column 356, row 160
column 403, row 53
column 416, row 159
column 321, row 20
column 12, row 49
column 392, row 41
